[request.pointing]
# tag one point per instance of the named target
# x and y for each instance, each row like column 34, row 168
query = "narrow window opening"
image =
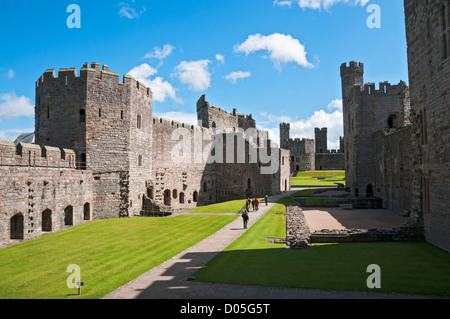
column 82, row 116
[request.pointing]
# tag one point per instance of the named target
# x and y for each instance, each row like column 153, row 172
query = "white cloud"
column 304, row 128
column 285, row 3
column 326, row 4
column 13, row 134
column 333, row 121
column 162, row 90
column 13, row 107
column 220, row 58
column 272, row 118
column 282, row 48
column 159, row 53
column 335, row 104
column 195, row 74
column 11, row 74
column 234, row 76
column 129, row 12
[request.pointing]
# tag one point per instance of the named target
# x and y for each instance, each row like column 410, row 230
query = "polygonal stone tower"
column 106, row 123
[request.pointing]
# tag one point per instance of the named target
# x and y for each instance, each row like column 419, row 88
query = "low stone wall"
column 361, row 203
column 297, row 229
column 367, row 235
column 299, row 236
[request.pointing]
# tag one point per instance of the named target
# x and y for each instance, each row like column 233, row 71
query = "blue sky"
column 278, row 60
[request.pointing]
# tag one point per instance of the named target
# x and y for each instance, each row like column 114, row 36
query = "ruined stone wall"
column 428, row 38
column 285, row 170
column 210, row 116
column 329, row 161
column 302, row 154
column 394, row 169
column 181, row 177
column 34, row 180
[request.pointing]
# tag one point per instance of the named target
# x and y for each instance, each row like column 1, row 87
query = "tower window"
column 445, row 30
column 140, row 160
column 99, row 112
column 82, row 116
column 139, row 122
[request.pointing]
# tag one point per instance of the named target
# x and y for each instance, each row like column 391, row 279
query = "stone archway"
column 68, row 216
column 17, row 227
column 167, row 197
column 47, row 220
column 87, row 211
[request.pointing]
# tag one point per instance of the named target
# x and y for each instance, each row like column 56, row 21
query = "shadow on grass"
column 333, row 267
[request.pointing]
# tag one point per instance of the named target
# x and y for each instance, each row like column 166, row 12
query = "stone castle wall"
column 366, row 111
column 38, row 187
column 428, row 38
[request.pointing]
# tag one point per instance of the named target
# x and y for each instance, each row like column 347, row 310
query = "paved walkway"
column 169, row 280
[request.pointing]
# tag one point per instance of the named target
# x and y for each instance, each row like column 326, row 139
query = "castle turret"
column 285, row 129
column 321, row 140
column 104, row 121
column 351, row 76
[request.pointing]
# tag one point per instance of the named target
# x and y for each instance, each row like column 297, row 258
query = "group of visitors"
column 255, row 207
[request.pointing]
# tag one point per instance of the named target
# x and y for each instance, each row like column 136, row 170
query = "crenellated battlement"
column 352, row 68
column 203, row 103
column 385, row 88
column 33, row 155
column 175, row 124
column 69, row 78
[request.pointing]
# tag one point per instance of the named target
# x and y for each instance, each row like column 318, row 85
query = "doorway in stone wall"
column 68, row 216
column 47, row 220
column 369, row 190
column 167, row 197
column 17, row 229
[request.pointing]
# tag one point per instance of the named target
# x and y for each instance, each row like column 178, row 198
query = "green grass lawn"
column 110, row 254
column 226, row 207
column 330, row 178
column 410, row 267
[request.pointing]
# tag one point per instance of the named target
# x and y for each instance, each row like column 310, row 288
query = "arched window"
column 16, row 230
column 47, row 220
column 167, row 198
column 175, row 193
column 181, row 198
column 68, row 216
column 195, row 197
column 213, row 125
column 87, row 211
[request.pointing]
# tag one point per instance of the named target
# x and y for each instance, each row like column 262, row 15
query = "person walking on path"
column 255, row 204
column 247, row 205
column 245, row 218
column 267, row 200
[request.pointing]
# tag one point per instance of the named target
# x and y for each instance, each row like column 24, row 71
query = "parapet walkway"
column 170, row 279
